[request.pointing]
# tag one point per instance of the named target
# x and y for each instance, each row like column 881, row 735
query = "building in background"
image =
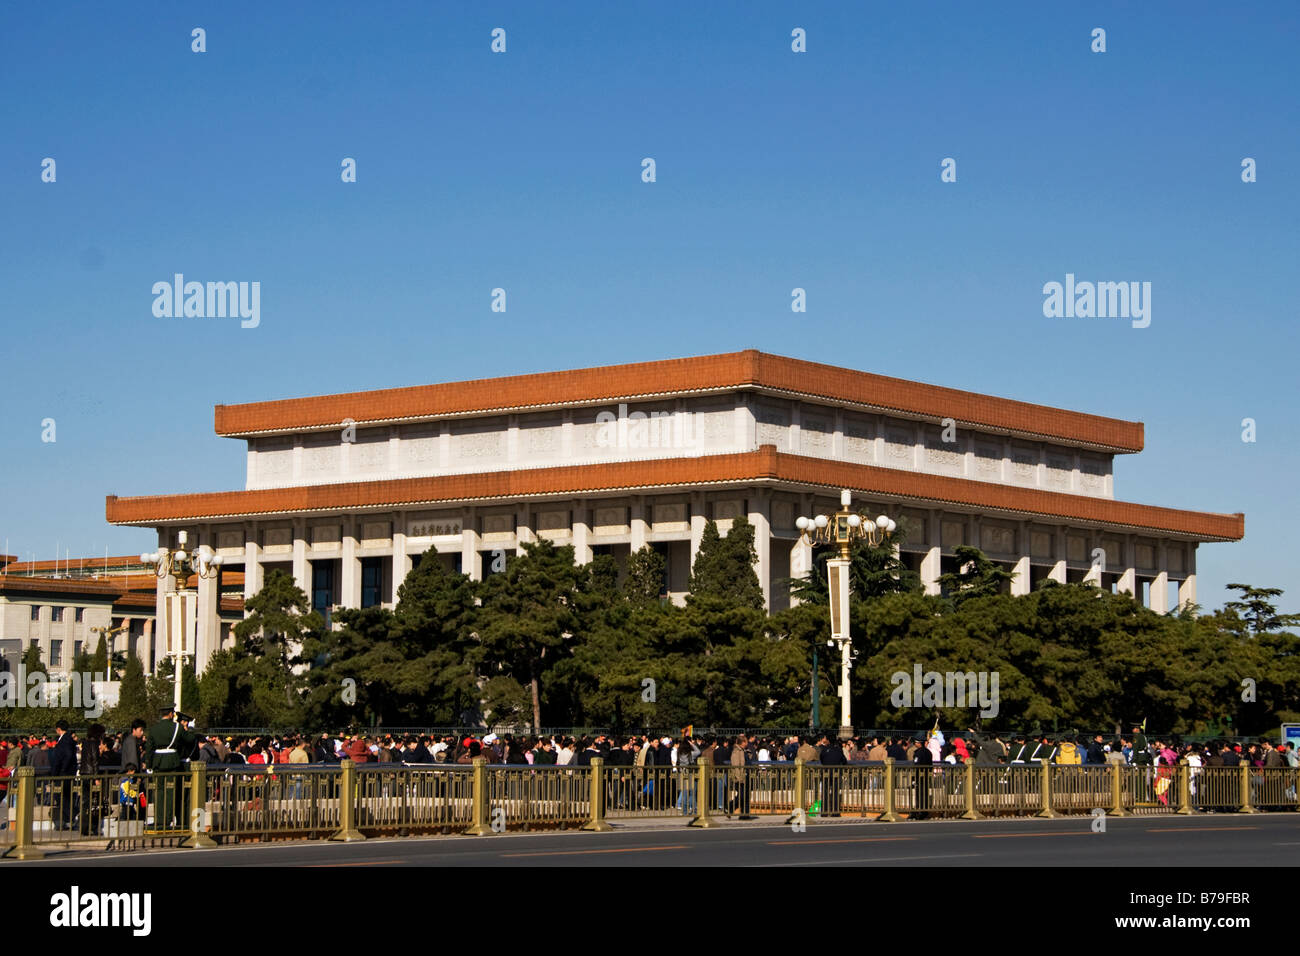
column 346, row 492
column 58, row 605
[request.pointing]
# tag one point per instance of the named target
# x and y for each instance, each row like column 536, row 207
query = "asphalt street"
column 1219, row 840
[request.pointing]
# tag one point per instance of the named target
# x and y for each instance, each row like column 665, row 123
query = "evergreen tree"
column 874, row 570
column 644, row 584
column 433, row 629
column 132, row 695
column 99, row 663
column 977, row 576
column 362, row 652
column 1256, row 607
column 32, row 663
column 271, row 639
column 724, row 566
column 528, row 614
column 190, row 696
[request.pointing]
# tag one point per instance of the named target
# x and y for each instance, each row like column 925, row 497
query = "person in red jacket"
column 356, row 750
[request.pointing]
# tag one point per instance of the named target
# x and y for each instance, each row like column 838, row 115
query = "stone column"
column 1128, row 579
column 931, row 564
column 1187, row 589
column 471, row 559
column 1062, row 557
column 523, row 528
column 350, row 583
column 252, row 565
column 639, row 526
column 760, row 508
column 146, row 649
column 208, row 622
column 582, row 532
column 1094, row 573
column 1021, row 583
column 800, row 563
column 401, row 563
column 697, row 524
column 301, row 567
column 1160, row 586
column 166, row 585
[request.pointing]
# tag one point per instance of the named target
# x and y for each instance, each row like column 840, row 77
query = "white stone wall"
column 682, row 427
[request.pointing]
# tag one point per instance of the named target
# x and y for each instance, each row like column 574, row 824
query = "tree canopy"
column 547, row 642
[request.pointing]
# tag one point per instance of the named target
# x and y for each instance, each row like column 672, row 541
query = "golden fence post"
column 890, row 815
column 1184, row 787
column 970, row 813
column 597, row 822
column 800, row 787
column 1047, row 812
column 198, row 807
column 23, row 848
column 1245, row 789
column 703, row 797
column 1116, row 791
column 348, row 831
column 479, row 821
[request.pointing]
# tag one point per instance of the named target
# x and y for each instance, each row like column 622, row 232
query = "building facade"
column 346, row 492
column 63, row 608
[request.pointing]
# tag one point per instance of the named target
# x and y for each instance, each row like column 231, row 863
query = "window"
column 372, row 581
column 56, row 653
column 322, row 587
column 36, row 612
column 56, row 615
column 79, row 611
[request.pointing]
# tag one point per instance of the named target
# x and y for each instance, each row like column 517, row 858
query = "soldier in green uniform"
column 167, row 743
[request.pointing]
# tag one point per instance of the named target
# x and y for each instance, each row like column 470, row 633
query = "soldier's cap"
column 166, row 711
column 184, row 716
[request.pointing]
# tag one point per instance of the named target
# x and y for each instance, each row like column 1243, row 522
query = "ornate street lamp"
column 182, row 603
column 842, row 529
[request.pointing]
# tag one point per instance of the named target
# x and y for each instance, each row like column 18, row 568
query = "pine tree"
column 724, row 567
column 529, row 612
column 644, row 584
column 132, row 695
column 1256, row 607
column 99, row 663
column 977, row 575
column 32, row 660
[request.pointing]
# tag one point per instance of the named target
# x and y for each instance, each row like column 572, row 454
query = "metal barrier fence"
column 526, row 796
column 351, row 802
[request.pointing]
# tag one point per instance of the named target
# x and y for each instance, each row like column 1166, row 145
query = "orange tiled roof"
column 749, row 369
column 104, row 587
column 143, row 601
column 122, row 594
column 81, row 565
column 766, row 465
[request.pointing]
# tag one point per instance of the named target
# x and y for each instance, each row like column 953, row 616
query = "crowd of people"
column 131, row 753
column 62, row 753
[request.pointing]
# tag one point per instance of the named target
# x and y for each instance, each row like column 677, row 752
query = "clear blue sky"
column 522, row 170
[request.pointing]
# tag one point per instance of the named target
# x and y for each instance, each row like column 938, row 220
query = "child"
column 128, row 794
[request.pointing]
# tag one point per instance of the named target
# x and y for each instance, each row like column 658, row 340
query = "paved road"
column 1219, row 840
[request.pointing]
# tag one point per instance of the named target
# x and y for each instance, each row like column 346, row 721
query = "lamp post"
column 180, row 564
column 842, row 529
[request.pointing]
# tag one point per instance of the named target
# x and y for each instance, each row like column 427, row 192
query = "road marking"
column 630, row 849
column 1005, row 836
column 1193, row 829
column 871, row 859
column 321, row 866
column 859, row 840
